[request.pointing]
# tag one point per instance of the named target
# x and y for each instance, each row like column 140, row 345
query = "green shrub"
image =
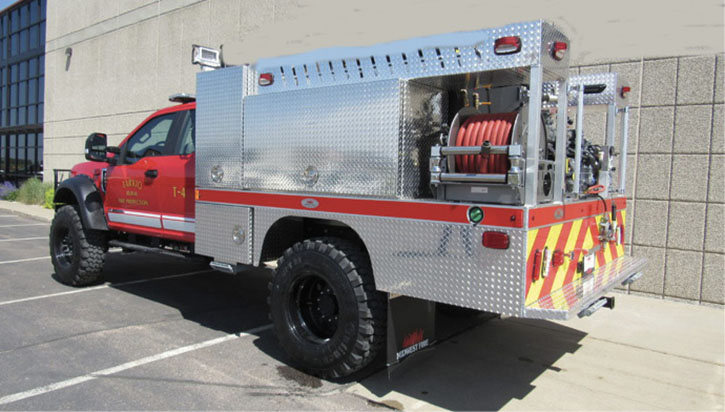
column 49, row 195
column 12, row 196
column 32, row 192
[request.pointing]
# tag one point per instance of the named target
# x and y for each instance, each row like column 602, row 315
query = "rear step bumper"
column 584, row 295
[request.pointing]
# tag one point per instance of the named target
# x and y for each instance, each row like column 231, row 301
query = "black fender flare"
column 81, row 190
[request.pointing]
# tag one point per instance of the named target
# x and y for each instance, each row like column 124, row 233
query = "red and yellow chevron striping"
column 573, row 239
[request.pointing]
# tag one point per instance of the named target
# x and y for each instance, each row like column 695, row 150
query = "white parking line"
column 23, row 238
column 128, row 365
column 24, row 260
column 106, row 286
column 26, row 224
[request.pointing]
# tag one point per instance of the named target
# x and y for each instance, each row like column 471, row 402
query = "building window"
column 22, row 78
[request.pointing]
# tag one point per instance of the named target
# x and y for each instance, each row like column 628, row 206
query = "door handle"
column 152, row 173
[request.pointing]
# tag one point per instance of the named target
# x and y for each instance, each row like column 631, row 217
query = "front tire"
column 77, row 253
column 326, row 312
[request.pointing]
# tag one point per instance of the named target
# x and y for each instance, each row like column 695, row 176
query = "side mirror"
column 96, row 147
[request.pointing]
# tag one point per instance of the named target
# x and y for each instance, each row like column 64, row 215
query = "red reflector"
column 558, row 50
column 265, row 79
column 624, row 91
column 496, row 240
column 507, row 45
column 558, row 258
column 537, row 266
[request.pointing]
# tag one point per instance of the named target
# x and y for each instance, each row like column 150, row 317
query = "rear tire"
column 77, row 253
column 326, row 312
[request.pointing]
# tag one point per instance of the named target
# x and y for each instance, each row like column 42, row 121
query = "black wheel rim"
column 316, row 307
column 63, row 247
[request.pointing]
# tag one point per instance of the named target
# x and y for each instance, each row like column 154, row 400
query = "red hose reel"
column 496, row 128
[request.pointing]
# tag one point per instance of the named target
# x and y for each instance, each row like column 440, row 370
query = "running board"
column 147, row 249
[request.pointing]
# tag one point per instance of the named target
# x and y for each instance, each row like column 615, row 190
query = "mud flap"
column 411, row 328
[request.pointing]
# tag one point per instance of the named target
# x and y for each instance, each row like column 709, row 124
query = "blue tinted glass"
column 13, row 95
column 33, row 67
column 40, row 113
column 42, row 33
column 32, row 91
column 41, row 90
column 3, row 97
column 24, row 41
column 6, row 25
column 21, row 116
column 41, row 64
column 21, row 140
column 34, row 11
column 23, row 93
column 14, row 44
column 5, row 48
column 14, row 73
column 34, row 37
column 32, row 114
column 42, row 9
column 23, row 70
column 15, row 20
column 24, row 16
column 13, row 117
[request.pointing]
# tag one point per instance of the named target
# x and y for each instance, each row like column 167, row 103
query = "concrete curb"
column 31, row 211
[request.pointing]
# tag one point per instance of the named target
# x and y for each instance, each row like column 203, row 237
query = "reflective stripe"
column 135, row 218
column 178, row 223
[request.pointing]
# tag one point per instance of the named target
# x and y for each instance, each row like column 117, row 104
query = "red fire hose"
column 496, row 129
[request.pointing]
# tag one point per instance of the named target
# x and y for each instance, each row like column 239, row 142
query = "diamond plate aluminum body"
column 417, row 58
column 219, row 142
column 610, row 95
column 438, row 261
column 576, row 296
column 215, row 226
column 368, row 139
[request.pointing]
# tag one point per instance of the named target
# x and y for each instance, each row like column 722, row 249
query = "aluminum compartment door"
column 223, row 232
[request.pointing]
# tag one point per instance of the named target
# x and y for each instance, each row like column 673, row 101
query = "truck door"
column 177, row 182
column 133, row 192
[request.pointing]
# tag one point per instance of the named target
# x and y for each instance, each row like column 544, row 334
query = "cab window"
column 188, row 136
column 151, row 139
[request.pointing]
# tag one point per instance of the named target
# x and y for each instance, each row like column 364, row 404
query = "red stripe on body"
column 541, row 216
column 442, row 212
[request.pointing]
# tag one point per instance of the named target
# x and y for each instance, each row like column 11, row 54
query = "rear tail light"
column 496, row 240
column 558, row 50
column 266, row 79
column 537, row 265
column 507, row 45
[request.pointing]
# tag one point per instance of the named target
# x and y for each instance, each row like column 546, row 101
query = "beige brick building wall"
column 129, row 55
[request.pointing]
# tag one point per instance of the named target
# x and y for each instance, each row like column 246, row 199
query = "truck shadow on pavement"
column 484, row 367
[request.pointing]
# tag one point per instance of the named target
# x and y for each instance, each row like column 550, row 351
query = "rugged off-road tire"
column 77, row 253
column 326, row 312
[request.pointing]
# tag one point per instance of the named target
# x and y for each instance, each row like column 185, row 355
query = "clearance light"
column 266, row 79
column 558, row 258
column 558, row 50
column 625, row 90
column 496, row 240
column 507, row 45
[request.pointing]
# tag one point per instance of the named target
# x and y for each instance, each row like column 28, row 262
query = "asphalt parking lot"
column 160, row 333
column 168, row 334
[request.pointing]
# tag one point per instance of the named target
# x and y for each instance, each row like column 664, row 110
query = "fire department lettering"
column 132, row 183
